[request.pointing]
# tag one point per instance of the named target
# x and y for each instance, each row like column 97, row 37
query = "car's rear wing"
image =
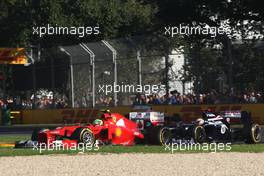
column 231, row 114
column 237, row 117
column 155, row 118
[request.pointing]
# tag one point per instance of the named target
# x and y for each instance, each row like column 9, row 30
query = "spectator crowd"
column 173, row 98
column 37, row 103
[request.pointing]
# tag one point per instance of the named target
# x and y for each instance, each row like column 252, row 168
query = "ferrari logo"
column 118, row 132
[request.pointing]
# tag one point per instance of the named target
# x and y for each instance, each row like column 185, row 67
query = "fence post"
column 92, row 56
column 115, row 68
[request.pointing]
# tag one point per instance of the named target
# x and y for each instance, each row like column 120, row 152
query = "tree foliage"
column 124, row 18
column 114, row 17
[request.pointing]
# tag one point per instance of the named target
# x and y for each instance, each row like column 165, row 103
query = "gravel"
column 236, row 164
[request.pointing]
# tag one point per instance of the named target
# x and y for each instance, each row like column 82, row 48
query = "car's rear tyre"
column 165, row 136
column 199, row 134
column 152, row 135
column 84, row 135
column 254, row 134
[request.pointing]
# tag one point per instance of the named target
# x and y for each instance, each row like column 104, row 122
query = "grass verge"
column 10, row 151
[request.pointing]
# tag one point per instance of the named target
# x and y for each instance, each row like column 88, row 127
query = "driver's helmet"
column 200, row 121
column 98, row 122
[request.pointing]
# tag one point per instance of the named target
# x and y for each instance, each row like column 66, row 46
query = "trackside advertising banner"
column 186, row 112
column 13, row 56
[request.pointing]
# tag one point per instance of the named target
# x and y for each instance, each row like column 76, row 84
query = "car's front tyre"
column 165, row 136
column 84, row 135
column 199, row 134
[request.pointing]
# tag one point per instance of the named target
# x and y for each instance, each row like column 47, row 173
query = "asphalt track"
column 23, row 129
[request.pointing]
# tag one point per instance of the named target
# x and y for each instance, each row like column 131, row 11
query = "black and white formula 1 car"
column 228, row 126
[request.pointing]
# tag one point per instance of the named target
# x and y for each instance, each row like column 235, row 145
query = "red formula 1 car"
column 109, row 128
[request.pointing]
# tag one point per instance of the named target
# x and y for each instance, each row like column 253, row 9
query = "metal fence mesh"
column 52, row 85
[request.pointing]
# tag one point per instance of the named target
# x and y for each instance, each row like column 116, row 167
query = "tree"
column 114, row 17
column 213, row 13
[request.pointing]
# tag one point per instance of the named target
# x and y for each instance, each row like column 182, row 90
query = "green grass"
column 9, row 151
